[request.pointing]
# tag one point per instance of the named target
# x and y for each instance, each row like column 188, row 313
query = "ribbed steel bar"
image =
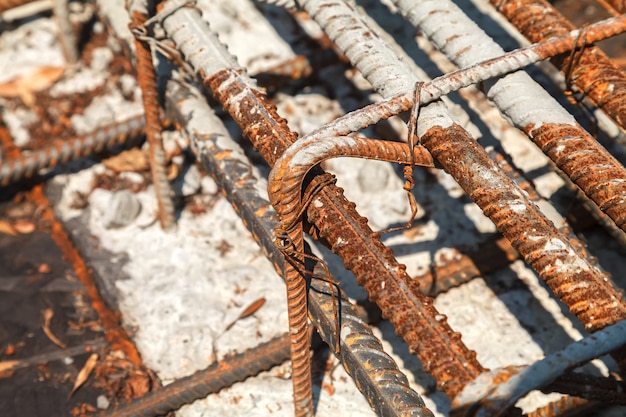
column 565, row 406
column 81, row 146
column 484, row 70
column 376, row 374
column 496, row 398
column 461, row 267
column 287, row 177
column 444, row 355
column 618, row 5
column 582, row 287
column 146, row 78
column 590, row 69
column 206, row 381
column 415, row 317
column 590, row 387
column 551, row 255
column 598, row 174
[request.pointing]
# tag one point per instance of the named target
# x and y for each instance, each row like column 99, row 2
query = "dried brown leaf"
column 131, row 160
column 24, row 226
column 248, row 311
column 252, row 308
column 24, row 86
column 7, row 228
column 84, row 373
column 47, row 317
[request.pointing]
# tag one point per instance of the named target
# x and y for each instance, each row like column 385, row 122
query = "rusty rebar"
column 415, row 317
column 589, row 387
column 285, row 186
column 589, row 69
column 581, row 286
column 81, row 146
column 496, row 397
column 618, row 5
column 375, row 373
column 198, row 385
column 566, row 406
column 527, row 105
column 146, row 78
column 474, row 73
column 287, row 177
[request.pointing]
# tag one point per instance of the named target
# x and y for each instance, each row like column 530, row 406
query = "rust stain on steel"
column 414, row 316
column 258, row 118
column 146, row 78
column 587, row 164
column 461, row 267
column 591, row 70
column 582, row 287
column 217, row 376
column 270, row 136
column 114, row 332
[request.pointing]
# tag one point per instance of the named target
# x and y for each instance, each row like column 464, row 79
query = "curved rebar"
column 81, row 146
column 284, row 188
column 376, row 374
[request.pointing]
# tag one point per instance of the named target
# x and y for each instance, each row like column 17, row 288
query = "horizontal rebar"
column 198, row 385
column 78, row 147
column 474, row 73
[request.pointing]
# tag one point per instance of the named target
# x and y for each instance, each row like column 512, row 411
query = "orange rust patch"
column 115, row 334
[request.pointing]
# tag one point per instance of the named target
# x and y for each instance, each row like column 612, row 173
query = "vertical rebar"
column 146, row 78
column 375, row 373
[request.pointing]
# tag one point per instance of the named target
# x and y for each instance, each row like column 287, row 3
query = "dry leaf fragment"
column 47, row 317
column 24, row 227
column 131, row 160
column 84, row 373
column 6, row 366
column 25, row 86
column 248, row 311
column 7, row 228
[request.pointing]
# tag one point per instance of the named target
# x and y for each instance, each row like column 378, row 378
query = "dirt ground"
column 52, row 318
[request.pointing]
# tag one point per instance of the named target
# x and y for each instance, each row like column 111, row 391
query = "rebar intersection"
column 241, row 98
column 562, row 264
